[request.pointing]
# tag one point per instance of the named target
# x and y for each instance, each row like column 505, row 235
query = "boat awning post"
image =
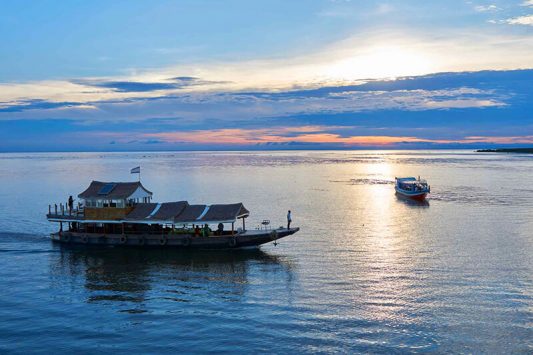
column 243, row 224
column 232, row 227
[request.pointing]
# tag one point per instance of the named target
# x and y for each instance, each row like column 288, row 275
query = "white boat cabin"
column 114, row 194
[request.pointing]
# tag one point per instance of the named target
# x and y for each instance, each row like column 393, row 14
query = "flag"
column 136, row 170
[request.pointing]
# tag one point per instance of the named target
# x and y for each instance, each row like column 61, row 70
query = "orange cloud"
column 310, row 134
column 303, row 134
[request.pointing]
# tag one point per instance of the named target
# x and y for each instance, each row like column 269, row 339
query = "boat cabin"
column 412, row 184
column 112, row 200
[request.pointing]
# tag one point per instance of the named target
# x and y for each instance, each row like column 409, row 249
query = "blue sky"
column 139, row 75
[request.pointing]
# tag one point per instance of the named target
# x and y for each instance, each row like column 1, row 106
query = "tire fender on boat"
column 85, row 239
column 123, row 239
column 65, row 238
column 163, row 241
column 142, row 241
column 186, row 241
column 232, row 242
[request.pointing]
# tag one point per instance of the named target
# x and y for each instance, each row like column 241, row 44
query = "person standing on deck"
column 289, row 219
column 70, row 203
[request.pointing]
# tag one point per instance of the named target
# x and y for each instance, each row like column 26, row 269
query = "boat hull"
column 418, row 196
column 242, row 240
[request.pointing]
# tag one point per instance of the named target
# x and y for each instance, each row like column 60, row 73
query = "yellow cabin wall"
column 106, row 213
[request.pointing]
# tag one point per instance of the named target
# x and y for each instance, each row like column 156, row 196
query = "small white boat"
column 413, row 188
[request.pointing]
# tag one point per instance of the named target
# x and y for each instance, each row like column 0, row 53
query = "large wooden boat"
column 412, row 188
column 123, row 214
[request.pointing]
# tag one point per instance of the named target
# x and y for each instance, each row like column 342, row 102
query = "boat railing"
column 165, row 233
column 63, row 210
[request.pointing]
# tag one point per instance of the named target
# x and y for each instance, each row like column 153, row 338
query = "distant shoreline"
column 506, row 150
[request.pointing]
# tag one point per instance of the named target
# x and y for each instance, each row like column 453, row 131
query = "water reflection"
column 138, row 275
column 410, row 202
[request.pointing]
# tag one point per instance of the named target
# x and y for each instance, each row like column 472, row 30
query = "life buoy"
column 163, row 241
column 274, row 235
column 85, row 239
column 186, row 241
column 123, row 239
column 142, row 241
column 233, row 242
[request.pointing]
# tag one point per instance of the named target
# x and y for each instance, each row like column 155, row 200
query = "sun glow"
column 381, row 62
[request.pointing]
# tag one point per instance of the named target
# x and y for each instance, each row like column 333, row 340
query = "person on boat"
column 70, row 203
column 197, row 231
column 205, row 231
column 289, row 219
column 220, row 228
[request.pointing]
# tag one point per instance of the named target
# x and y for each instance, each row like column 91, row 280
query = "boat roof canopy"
column 114, row 190
column 183, row 212
column 406, row 179
column 411, row 181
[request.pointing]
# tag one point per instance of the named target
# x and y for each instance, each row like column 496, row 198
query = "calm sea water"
column 368, row 272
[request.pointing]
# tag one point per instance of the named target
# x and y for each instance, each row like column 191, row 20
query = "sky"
column 310, row 74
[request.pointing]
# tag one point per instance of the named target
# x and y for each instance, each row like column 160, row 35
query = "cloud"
column 132, row 86
column 316, row 135
column 139, row 86
column 391, row 53
column 487, row 8
column 38, row 104
column 521, row 20
column 480, row 108
column 237, row 136
column 528, row 3
column 436, row 91
column 247, row 106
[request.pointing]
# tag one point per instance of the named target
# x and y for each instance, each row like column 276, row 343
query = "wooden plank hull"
column 418, row 196
column 243, row 240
